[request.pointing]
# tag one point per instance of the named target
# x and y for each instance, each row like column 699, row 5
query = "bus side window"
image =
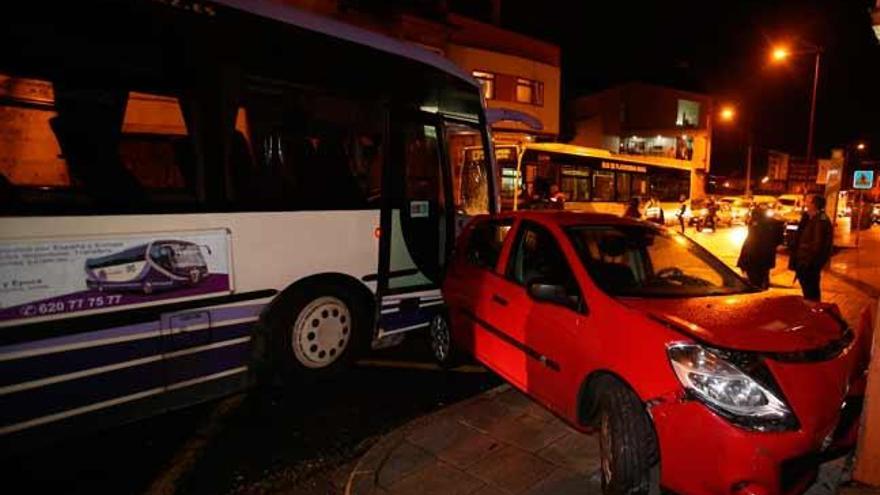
column 84, row 149
column 311, row 151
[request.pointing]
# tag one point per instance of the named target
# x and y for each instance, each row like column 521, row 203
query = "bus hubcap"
column 440, row 338
column 321, row 332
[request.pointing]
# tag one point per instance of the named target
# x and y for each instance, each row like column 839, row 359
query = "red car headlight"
column 722, row 386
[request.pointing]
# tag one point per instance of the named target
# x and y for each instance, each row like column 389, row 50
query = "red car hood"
column 748, row 322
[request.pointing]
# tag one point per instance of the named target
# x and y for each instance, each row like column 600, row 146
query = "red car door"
column 544, row 333
column 468, row 287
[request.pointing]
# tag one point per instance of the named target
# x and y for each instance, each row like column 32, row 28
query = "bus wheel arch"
column 314, row 317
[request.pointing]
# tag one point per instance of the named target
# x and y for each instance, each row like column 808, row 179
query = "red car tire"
column 630, row 462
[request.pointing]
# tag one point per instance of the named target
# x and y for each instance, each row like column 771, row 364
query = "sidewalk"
column 503, row 443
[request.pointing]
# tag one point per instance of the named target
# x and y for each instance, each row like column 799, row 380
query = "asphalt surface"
column 266, row 441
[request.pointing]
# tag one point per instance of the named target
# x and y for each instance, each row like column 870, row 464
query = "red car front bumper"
column 702, row 453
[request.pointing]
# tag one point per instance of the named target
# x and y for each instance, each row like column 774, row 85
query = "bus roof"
column 568, row 149
column 331, row 27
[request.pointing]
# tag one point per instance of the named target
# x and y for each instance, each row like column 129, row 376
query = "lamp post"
column 782, row 53
column 727, row 115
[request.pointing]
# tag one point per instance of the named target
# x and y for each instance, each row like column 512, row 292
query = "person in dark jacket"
column 812, row 248
column 632, row 209
column 682, row 211
column 758, row 254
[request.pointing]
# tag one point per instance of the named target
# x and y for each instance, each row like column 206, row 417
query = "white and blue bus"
column 197, row 195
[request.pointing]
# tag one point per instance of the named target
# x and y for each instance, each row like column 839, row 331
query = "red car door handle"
column 498, row 299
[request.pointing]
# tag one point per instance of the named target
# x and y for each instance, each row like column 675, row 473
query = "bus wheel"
column 318, row 331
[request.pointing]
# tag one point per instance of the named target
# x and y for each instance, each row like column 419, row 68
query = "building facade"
column 520, row 75
column 657, row 124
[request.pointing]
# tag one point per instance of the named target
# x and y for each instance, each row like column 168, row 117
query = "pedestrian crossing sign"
column 863, row 179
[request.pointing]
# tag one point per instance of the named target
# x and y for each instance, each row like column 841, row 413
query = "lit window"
column 529, row 91
column 688, row 113
column 487, row 81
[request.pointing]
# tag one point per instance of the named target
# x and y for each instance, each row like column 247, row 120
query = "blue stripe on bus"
column 28, row 404
column 48, row 365
column 402, row 319
column 81, row 338
column 190, row 366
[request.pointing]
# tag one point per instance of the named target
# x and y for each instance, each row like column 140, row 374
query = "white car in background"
column 739, row 208
column 790, row 205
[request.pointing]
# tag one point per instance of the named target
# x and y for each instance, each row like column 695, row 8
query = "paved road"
column 268, row 442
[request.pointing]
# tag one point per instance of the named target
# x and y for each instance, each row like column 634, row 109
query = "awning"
column 494, row 115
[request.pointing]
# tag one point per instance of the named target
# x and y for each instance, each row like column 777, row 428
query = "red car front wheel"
column 628, row 445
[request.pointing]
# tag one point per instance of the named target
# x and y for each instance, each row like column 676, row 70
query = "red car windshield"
column 647, row 262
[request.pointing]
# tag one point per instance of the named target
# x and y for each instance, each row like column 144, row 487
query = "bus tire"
column 317, row 330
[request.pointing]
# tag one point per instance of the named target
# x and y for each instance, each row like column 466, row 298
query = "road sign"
column 863, row 179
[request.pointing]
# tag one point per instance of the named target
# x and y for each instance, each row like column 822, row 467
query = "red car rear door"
column 467, row 288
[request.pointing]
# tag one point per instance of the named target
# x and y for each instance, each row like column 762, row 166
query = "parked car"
column 739, row 208
column 693, row 379
column 790, row 205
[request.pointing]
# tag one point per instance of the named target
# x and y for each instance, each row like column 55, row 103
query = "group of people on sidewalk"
column 810, row 251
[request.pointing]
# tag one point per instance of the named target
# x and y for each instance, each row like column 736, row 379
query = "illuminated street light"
column 780, row 54
column 727, row 113
column 765, row 180
column 861, row 146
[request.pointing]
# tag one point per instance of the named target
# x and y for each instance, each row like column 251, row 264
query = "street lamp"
column 861, row 146
column 727, row 113
column 780, row 54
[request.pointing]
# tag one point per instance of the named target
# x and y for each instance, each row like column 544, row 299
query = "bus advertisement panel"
column 41, row 279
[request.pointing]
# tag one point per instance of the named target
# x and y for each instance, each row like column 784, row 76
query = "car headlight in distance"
column 727, row 390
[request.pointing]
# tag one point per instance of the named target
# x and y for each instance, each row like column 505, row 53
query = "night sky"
column 722, row 48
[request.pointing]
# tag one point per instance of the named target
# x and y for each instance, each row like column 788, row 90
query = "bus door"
column 416, row 224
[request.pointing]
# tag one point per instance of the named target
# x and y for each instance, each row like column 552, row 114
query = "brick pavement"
column 503, row 443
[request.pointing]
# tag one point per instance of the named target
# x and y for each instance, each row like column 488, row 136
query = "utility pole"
column 749, row 168
column 813, row 107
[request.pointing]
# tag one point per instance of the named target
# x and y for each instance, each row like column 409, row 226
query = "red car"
column 695, row 381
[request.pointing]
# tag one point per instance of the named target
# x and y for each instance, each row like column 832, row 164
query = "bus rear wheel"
column 317, row 331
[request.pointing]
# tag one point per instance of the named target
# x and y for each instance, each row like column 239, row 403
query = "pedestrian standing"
column 812, row 248
column 632, row 209
column 758, row 254
column 682, row 211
